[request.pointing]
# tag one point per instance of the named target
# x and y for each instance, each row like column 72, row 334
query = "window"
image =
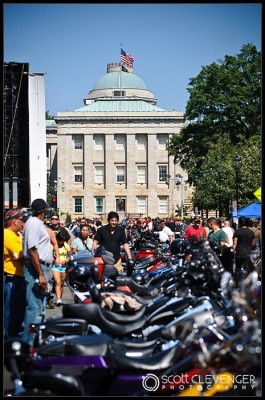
column 120, row 174
column 120, row 204
column 78, row 141
column 141, row 174
column 78, row 206
column 162, row 205
column 120, row 142
column 78, row 173
column 99, row 201
column 142, row 205
column 98, row 142
column 48, row 151
column 162, row 173
column 162, row 141
column 99, row 174
column 141, row 142
column 119, row 93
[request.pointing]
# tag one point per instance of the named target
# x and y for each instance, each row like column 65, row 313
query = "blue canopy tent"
column 251, row 211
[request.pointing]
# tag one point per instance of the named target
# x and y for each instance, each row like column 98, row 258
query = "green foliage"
column 47, row 116
column 224, row 119
column 178, row 210
column 49, row 195
column 215, row 184
column 68, row 218
column 59, row 212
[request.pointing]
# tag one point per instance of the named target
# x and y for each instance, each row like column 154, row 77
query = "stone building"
column 111, row 153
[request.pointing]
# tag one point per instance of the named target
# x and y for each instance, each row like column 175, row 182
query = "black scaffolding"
column 16, row 136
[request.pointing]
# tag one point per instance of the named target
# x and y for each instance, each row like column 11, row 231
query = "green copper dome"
column 117, row 83
column 127, row 105
column 117, row 80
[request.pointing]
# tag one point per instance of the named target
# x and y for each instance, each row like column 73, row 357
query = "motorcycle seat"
column 94, row 314
column 66, row 326
column 95, row 345
column 143, row 300
column 87, row 346
column 143, row 290
column 158, row 361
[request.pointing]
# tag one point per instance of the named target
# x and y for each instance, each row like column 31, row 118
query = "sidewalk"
column 57, row 311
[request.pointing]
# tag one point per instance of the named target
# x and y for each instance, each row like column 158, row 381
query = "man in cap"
column 195, row 230
column 38, row 258
column 166, row 235
column 14, row 282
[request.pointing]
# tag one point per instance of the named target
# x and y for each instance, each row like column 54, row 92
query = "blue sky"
column 73, row 43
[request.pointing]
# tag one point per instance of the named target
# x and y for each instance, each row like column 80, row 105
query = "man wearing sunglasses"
column 56, row 227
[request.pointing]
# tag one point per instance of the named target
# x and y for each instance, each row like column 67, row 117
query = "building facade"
column 111, row 155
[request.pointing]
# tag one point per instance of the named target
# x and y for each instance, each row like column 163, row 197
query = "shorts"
column 60, row 268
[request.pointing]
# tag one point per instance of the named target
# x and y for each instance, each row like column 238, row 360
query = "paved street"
column 57, row 311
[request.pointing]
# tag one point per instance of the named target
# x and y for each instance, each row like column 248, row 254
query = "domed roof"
column 118, row 83
column 126, row 105
column 117, row 80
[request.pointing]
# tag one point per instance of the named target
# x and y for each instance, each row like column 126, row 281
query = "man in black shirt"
column 56, row 227
column 171, row 224
column 112, row 236
column 243, row 244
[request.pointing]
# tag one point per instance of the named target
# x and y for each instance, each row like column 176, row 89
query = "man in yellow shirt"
column 14, row 282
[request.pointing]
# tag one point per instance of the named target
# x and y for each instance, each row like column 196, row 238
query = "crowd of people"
column 38, row 248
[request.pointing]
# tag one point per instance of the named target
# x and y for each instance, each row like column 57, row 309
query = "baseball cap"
column 38, row 205
column 196, row 218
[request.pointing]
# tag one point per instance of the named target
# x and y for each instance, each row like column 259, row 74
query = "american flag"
column 126, row 58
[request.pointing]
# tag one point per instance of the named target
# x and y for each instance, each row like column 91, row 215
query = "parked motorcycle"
column 121, row 352
column 101, row 366
column 182, row 290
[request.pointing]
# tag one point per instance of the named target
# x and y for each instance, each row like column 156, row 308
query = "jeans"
column 244, row 266
column 14, row 305
column 35, row 302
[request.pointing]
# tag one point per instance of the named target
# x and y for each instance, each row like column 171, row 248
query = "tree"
column 68, row 219
column 49, row 195
column 47, row 116
column 223, row 118
column 225, row 99
column 215, row 183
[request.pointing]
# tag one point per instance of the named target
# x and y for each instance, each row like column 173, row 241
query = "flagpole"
column 120, row 78
column 120, row 70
